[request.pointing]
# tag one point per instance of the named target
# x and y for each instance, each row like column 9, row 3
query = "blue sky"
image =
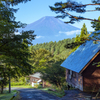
column 35, row 9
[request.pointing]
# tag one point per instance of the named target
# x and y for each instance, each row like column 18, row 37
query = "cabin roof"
column 36, row 75
column 77, row 60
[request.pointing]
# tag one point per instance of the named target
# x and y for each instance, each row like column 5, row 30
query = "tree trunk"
column 9, row 85
column 2, row 89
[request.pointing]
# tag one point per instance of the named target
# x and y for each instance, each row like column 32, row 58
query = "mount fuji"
column 50, row 28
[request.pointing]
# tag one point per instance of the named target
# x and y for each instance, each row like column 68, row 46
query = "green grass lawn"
column 7, row 96
column 23, row 86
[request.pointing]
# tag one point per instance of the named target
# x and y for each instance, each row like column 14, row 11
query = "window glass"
column 68, row 71
column 74, row 74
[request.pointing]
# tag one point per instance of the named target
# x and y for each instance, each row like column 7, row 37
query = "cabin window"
column 68, row 71
column 36, row 79
column 73, row 74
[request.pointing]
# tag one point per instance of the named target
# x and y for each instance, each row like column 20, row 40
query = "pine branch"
column 64, row 9
column 81, row 18
column 88, row 5
column 91, row 10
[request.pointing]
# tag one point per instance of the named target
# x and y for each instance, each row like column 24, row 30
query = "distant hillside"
column 51, row 29
column 56, row 48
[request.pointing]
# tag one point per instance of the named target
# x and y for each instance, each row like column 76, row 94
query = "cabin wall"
column 76, row 81
column 34, row 79
column 91, row 74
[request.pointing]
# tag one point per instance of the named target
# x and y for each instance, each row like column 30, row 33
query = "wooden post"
column 43, row 83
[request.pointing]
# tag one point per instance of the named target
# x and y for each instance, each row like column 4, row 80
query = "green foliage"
column 13, row 47
column 77, row 39
column 97, row 64
column 57, row 91
column 15, row 2
column 36, row 85
column 7, row 96
column 40, row 59
column 56, row 48
column 54, row 73
column 65, row 8
column 83, row 31
column 96, row 25
column 17, row 83
column 83, row 36
column 80, row 39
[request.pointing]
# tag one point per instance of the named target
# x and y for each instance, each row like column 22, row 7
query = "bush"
column 36, row 85
column 65, row 86
column 40, row 86
column 17, row 83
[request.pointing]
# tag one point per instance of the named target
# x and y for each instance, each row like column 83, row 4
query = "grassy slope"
column 7, row 96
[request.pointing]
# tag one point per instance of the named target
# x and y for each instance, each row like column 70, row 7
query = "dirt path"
column 78, row 95
column 34, row 94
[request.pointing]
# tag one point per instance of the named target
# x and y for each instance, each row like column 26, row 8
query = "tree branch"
column 81, row 5
column 91, row 10
column 74, row 6
column 82, row 18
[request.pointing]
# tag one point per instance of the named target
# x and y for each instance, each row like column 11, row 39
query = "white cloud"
column 71, row 32
column 37, row 37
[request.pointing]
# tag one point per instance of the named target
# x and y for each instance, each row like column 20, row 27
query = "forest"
column 44, row 57
column 56, row 48
column 18, row 59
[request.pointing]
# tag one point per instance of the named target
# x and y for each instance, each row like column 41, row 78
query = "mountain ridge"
column 49, row 28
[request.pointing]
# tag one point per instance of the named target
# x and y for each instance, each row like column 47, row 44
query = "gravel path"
column 34, row 94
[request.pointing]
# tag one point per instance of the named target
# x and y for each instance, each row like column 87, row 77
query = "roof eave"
column 89, row 62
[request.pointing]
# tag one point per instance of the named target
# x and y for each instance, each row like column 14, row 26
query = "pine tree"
column 13, row 53
column 77, row 38
column 65, row 8
column 96, row 25
column 83, row 31
column 84, row 34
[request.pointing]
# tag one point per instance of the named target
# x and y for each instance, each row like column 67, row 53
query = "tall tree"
column 83, row 31
column 13, row 53
column 79, row 39
column 40, row 59
column 83, row 35
column 54, row 73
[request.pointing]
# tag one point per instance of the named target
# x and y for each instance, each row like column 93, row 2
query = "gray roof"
column 37, row 75
column 79, row 58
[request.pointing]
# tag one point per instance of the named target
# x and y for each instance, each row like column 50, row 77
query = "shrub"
column 36, row 85
column 39, row 86
column 17, row 83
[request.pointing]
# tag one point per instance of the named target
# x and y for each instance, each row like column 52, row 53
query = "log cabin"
column 81, row 66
